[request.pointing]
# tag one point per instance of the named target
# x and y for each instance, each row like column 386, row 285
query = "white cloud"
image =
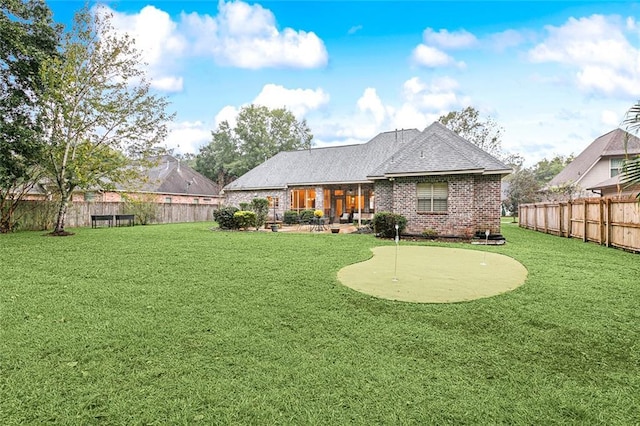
column 246, row 36
column 157, row 39
column 229, row 114
column 461, row 39
column 432, row 57
column 167, row 84
column 598, row 48
column 187, row 137
column 371, row 102
column 421, row 104
column 611, row 118
column 507, row 39
column 438, row 96
column 431, row 52
column 298, row 101
column 354, row 29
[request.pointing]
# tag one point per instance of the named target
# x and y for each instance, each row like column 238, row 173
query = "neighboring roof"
column 436, row 150
column 340, row 164
column 614, row 182
column 170, row 176
column 610, row 144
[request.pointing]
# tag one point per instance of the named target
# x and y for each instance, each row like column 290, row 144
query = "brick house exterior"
column 389, row 173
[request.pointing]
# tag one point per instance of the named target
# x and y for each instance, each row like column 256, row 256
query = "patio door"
column 339, row 206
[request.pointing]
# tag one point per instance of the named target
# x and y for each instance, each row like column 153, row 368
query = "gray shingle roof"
column 438, row 150
column 171, row 176
column 608, row 145
column 409, row 152
column 340, row 164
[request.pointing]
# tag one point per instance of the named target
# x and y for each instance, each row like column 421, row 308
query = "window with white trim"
column 432, row 197
column 616, row 166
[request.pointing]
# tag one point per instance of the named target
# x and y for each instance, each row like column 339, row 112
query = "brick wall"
column 383, row 196
column 473, row 204
column 234, row 198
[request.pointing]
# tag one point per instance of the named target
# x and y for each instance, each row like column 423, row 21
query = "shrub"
column 261, row 207
column 224, row 217
column 384, row 224
column 318, row 213
column 306, row 215
column 244, row 206
column 290, row 217
column 244, row 219
column 143, row 207
column 429, row 233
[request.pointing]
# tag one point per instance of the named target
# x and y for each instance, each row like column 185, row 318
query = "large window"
column 616, row 166
column 303, row 199
column 432, row 197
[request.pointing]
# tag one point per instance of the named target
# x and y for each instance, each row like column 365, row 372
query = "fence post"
column 608, row 222
column 570, row 218
column 601, row 224
column 584, row 223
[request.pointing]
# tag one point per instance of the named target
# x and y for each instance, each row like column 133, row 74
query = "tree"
column 522, row 188
column 484, row 133
column 100, row 117
column 260, row 133
column 27, row 37
column 220, row 159
column 545, row 170
column 631, row 167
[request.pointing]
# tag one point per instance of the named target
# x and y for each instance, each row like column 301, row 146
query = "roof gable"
column 610, row 144
column 439, row 150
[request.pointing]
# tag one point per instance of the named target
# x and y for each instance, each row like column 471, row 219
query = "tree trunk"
column 62, row 214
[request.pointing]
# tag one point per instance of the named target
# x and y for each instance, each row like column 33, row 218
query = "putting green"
column 433, row 274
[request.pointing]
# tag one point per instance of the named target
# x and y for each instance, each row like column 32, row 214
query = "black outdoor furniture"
column 110, row 219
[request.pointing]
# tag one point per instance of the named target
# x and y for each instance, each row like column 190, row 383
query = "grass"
column 175, row 324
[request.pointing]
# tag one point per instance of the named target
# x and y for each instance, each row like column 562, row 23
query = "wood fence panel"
column 611, row 222
column 577, row 220
column 79, row 213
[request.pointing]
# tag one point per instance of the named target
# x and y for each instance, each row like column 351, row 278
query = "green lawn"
column 175, row 324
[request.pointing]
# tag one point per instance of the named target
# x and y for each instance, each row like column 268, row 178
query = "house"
column 435, row 178
column 168, row 182
column 596, row 170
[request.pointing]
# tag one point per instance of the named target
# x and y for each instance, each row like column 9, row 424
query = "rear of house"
column 436, row 179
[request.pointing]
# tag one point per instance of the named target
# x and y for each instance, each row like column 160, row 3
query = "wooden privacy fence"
column 607, row 221
column 41, row 214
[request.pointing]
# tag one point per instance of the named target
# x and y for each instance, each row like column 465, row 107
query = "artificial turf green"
column 176, row 324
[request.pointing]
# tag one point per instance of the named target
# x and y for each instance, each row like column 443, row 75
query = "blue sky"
column 554, row 75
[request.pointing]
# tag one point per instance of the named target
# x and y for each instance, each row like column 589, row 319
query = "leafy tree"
column 486, row 134
column 100, row 118
column 259, row 134
column 631, row 167
column 545, row 170
column 27, row 37
column 522, row 188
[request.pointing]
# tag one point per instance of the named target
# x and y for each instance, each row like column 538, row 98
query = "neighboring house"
column 169, row 182
column 596, row 170
column 434, row 178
